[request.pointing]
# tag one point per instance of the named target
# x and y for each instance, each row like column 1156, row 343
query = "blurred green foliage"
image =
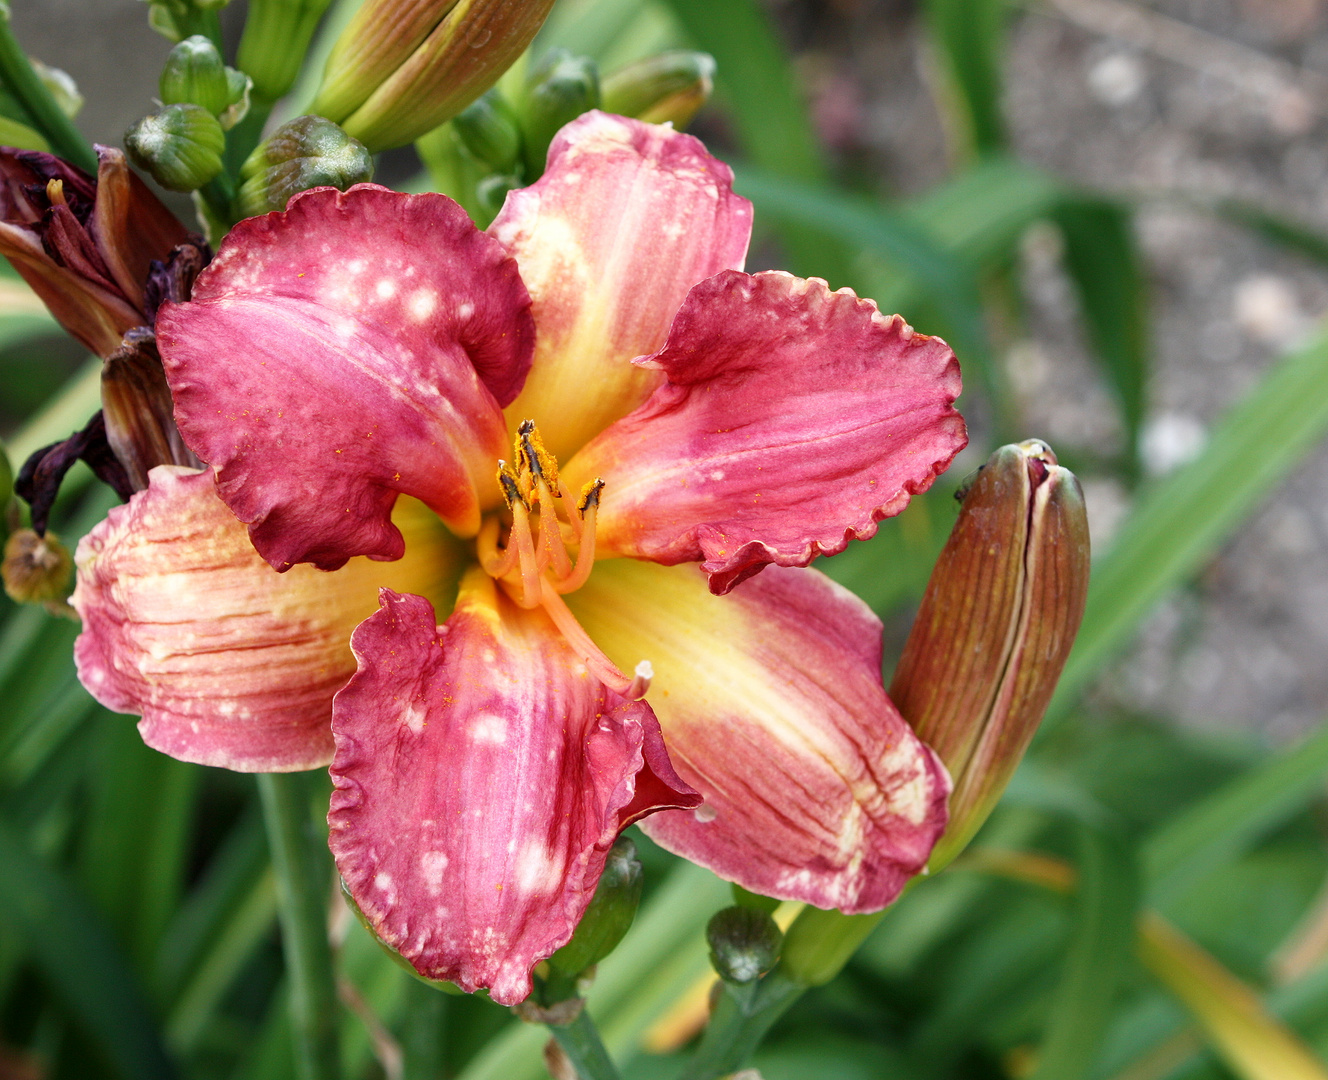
column 138, row 930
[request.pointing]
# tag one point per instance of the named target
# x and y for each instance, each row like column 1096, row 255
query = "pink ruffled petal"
column 351, row 348
column 627, row 217
column 481, row 777
column 772, row 707
column 228, row 662
column 793, row 420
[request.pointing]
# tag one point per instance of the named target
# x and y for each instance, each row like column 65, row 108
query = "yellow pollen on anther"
column 534, row 566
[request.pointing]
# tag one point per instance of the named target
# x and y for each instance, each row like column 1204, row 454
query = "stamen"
column 551, row 534
column 531, row 578
column 574, row 520
column 55, row 191
column 510, row 483
column 585, row 556
column 497, row 564
column 532, row 457
column 599, row 665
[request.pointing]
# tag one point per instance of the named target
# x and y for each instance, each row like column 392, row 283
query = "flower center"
column 533, row 566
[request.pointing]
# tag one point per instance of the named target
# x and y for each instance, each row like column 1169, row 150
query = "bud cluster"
column 500, row 142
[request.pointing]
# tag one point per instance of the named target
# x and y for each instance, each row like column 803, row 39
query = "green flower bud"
column 491, row 192
column 275, row 41
column 995, row 627
column 670, row 87
column 36, row 569
column 559, row 90
column 744, row 943
column 489, row 130
column 304, row 153
column 609, row 915
column 177, row 19
column 400, row 70
column 181, row 146
column 195, row 75
column 62, row 87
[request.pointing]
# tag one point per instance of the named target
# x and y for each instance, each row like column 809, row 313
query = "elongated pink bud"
column 996, row 624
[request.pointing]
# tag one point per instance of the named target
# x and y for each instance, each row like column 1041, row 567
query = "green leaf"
column 1180, row 520
column 755, row 78
column 1227, row 823
column 1101, row 258
column 1106, row 906
column 72, row 948
column 968, row 37
column 1251, row 1041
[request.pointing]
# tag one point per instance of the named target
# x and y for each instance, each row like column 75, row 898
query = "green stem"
column 299, row 861
column 244, row 136
column 737, row 1026
column 24, row 83
column 584, row 1048
column 206, row 22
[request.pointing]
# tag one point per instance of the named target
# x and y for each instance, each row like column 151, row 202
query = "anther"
column 511, row 486
column 589, row 499
column 55, row 191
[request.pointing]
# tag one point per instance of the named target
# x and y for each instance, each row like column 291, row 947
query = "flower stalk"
column 302, row 875
column 26, row 85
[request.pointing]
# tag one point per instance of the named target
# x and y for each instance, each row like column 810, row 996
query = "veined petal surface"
column 481, row 777
column 772, row 707
column 228, row 662
column 793, row 420
column 355, row 346
column 627, row 217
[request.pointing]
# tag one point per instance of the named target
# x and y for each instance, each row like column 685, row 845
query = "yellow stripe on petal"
column 626, row 219
column 772, row 706
column 228, row 662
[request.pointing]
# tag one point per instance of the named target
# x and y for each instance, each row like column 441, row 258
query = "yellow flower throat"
column 538, row 572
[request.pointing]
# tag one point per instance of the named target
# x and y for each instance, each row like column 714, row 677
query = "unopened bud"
column 744, row 943
column 668, row 88
column 559, row 90
column 62, row 87
column 37, row 569
column 491, row 193
column 275, row 42
column 195, row 75
column 398, row 71
column 304, row 153
column 609, row 915
column 995, row 627
column 181, row 146
column 489, row 130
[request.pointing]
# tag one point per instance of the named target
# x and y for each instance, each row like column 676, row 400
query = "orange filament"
column 553, row 535
column 585, row 558
column 525, row 546
column 599, row 665
column 537, row 575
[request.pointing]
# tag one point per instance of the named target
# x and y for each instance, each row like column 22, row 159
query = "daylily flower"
column 592, row 397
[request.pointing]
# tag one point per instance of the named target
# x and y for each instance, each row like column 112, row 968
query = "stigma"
column 534, row 565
